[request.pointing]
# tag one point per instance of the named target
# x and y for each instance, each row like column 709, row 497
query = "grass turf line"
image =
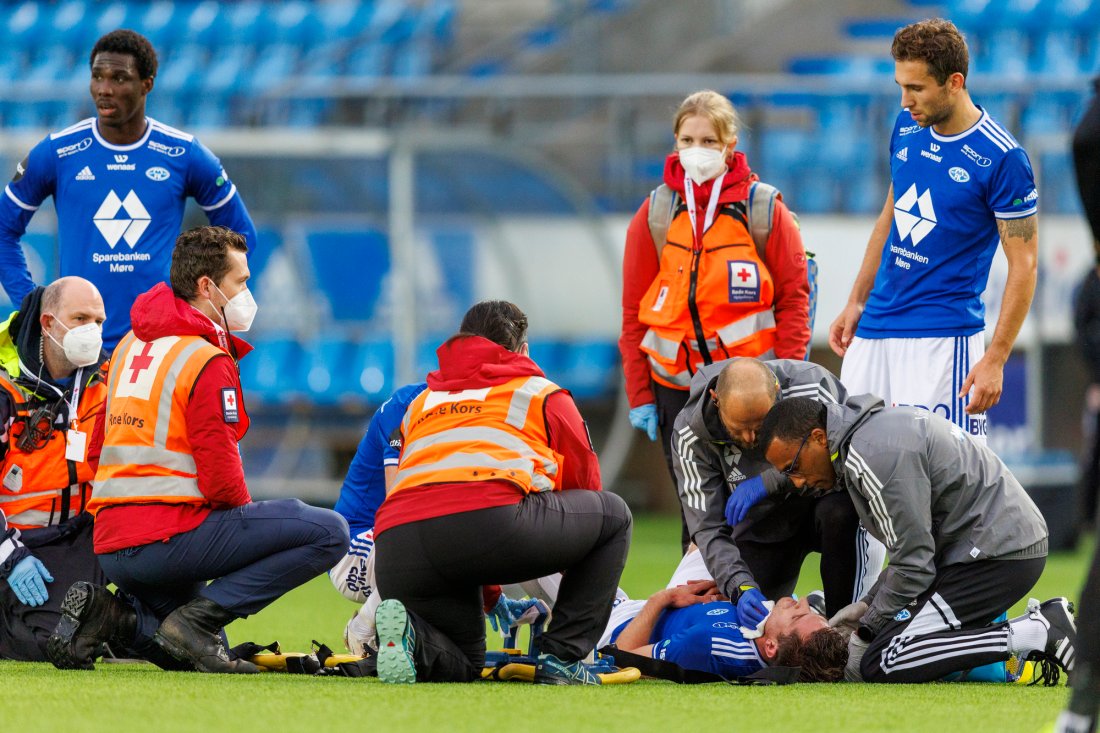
column 115, row 698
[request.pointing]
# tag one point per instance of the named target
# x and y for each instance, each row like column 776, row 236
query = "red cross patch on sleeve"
column 230, row 409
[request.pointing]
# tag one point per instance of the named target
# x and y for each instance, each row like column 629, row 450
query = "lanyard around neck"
column 712, row 207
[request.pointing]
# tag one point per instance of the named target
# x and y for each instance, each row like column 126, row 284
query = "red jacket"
column 472, row 362
column 784, row 257
column 158, row 313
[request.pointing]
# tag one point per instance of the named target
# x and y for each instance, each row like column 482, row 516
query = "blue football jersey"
column 704, row 637
column 119, row 209
column 949, row 193
column 364, row 486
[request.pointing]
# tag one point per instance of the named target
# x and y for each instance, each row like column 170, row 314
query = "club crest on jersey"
column 917, row 226
column 230, row 408
column 903, row 615
column 744, row 281
column 114, row 229
column 959, row 175
column 156, row 173
column 718, row 611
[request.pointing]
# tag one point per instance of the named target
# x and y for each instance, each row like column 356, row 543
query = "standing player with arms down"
column 119, row 181
column 912, row 331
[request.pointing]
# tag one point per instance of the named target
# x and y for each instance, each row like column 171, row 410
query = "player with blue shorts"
column 119, row 181
column 364, row 489
column 912, row 331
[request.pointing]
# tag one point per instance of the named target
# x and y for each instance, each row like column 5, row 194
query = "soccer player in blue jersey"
column 687, row 624
column 912, row 331
column 371, row 471
column 119, row 181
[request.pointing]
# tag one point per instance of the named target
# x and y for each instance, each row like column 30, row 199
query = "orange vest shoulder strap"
column 760, row 211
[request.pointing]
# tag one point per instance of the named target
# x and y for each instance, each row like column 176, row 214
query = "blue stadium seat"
column 372, row 368
column 158, row 22
column 349, row 267
column 293, row 22
column 329, row 373
column 589, row 369
column 68, row 24
column 272, row 373
column 412, row 59
column 1057, row 52
column 25, row 24
column 181, row 70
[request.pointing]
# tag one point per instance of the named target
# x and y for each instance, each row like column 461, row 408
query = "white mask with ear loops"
column 702, row 164
column 82, row 344
column 240, row 310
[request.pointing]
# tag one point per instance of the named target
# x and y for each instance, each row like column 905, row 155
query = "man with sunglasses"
column 965, row 541
column 52, row 396
column 753, row 533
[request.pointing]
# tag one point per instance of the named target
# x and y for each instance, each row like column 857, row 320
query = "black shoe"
column 91, row 617
column 1057, row 615
column 192, row 633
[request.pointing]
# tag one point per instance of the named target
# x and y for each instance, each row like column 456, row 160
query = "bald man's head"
column 67, row 303
column 745, row 391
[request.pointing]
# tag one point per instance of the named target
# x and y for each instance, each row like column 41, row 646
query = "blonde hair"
column 715, row 107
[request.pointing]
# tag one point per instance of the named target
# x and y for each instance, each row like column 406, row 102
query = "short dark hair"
column 499, row 321
column 128, row 43
column 820, row 658
column 938, row 43
column 202, row 252
column 791, row 419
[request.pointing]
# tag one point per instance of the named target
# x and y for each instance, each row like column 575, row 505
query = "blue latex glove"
column 744, row 497
column 750, row 608
column 26, row 580
column 644, row 418
column 507, row 611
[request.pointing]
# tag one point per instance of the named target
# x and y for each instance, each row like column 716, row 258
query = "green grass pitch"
column 122, row 698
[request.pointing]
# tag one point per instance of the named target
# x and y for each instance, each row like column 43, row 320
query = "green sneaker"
column 396, row 641
column 552, row 671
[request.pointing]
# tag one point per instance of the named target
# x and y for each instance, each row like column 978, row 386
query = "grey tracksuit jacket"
column 709, row 466
column 928, row 492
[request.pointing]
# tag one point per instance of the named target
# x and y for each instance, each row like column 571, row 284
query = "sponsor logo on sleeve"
column 973, row 154
column 222, row 177
column 172, row 151
column 77, row 147
column 156, row 173
column 959, row 175
column 1031, row 196
column 20, row 170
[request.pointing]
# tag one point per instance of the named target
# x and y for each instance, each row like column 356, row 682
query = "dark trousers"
column 948, row 628
column 436, row 568
column 66, row 551
column 1085, row 698
column 1089, row 481
column 253, row 553
column 669, row 404
column 828, row 524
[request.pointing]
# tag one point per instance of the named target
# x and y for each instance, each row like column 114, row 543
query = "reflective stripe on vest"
column 495, row 433
column 742, row 329
column 33, row 484
column 733, row 296
column 142, row 460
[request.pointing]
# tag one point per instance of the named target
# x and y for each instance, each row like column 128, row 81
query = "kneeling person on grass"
column 964, row 541
column 171, row 507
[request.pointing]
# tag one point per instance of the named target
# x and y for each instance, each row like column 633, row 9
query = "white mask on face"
column 82, row 344
column 240, row 310
column 702, row 164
